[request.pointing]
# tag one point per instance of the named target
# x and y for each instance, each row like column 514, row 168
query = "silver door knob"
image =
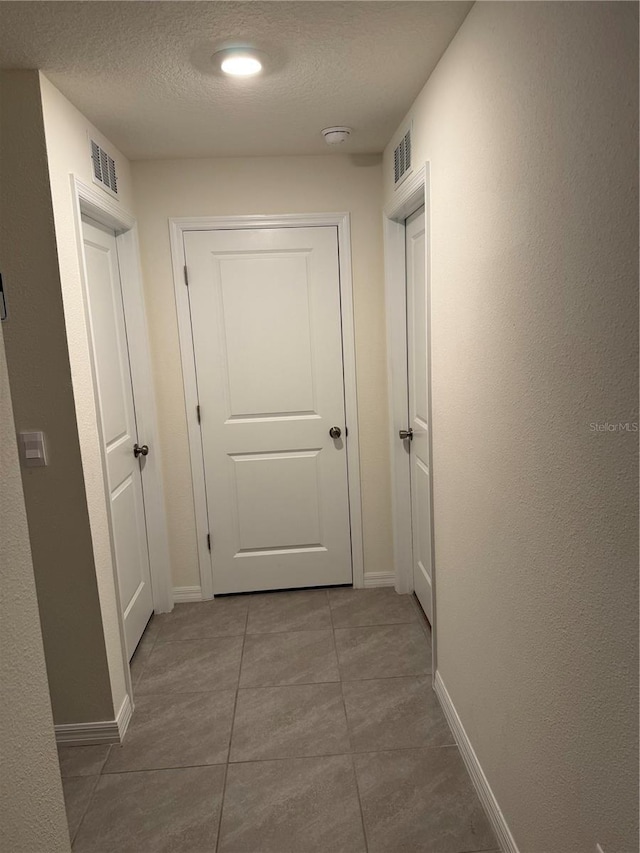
column 140, row 450
column 335, row 432
column 406, row 433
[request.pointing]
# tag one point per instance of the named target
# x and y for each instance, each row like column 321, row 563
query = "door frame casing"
column 411, row 195
column 87, row 201
column 341, row 221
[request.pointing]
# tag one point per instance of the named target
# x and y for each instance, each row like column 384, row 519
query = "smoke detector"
column 336, row 135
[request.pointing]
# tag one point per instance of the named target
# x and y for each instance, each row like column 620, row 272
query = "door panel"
column 418, row 375
column 117, row 415
column 265, row 313
column 252, row 292
column 277, row 500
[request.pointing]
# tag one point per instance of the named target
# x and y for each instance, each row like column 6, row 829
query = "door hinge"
column 186, row 276
column 209, row 541
column 198, row 414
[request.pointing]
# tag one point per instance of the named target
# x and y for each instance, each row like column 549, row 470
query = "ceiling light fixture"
column 238, row 62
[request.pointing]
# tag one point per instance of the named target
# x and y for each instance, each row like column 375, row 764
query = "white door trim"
column 95, row 204
column 413, row 194
column 341, row 221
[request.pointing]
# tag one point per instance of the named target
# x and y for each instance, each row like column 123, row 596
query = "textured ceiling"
column 140, row 71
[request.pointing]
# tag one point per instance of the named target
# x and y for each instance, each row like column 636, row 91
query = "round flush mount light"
column 238, row 61
column 336, row 135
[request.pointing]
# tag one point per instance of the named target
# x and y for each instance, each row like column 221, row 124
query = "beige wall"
column 530, row 126
column 66, row 133
column 30, row 771
column 219, row 187
column 43, row 398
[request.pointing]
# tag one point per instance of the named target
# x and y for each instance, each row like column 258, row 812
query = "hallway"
column 306, row 719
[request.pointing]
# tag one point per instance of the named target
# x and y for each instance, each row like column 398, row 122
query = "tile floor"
column 288, row 722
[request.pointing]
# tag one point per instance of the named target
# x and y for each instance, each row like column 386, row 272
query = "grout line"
column 404, row 749
column 387, row 677
column 352, row 754
column 289, row 684
column 173, row 642
column 215, row 692
column 287, row 631
column 126, row 771
column 364, row 828
column 344, row 705
column 233, row 722
column 346, row 717
column 483, row 850
column 411, row 621
column 123, row 771
column 87, row 807
column 337, row 627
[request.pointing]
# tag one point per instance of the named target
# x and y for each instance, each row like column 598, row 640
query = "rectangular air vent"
column 402, row 158
column 104, row 168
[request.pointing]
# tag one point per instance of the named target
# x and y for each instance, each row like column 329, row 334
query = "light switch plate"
column 32, row 449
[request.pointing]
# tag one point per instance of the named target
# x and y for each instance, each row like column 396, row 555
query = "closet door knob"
column 140, row 450
column 335, row 432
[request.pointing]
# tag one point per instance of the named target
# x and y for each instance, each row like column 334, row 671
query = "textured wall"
column 221, row 187
column 39, row 371
column 66, row 133
column 530, row 126
column 30, row 772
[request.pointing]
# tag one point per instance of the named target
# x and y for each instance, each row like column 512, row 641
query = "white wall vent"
column 402, row 158
column 104, row 168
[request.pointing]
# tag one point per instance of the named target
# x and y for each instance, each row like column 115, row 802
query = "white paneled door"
column 418, row 367
column 265, row 314
column 119, row 435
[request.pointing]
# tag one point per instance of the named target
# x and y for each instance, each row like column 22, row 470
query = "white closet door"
column 117, row 414
column 265, row 313
column 418, row 367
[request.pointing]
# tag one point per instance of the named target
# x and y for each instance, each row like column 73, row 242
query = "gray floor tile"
column 136, row 665
column 394, row 713
column 160, row 811
column 420, row 799
column 176, row 730
column 286, row 722
column 222, row 617
column 142, row 652
column 192, row 666
column 381, row 606
column 302, row 610
column 82, row 760
column 302, row 805
column 77, row 794
column 300, row 657
column 382, row 651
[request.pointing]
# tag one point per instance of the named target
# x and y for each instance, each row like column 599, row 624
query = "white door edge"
column 91, row 202
column 413, row 194
column 177, row 227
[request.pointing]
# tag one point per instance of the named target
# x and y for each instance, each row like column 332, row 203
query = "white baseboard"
column 379, row 579
column 181, row 594
column 124, row 716
column 480, row 781
column 102, row 731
